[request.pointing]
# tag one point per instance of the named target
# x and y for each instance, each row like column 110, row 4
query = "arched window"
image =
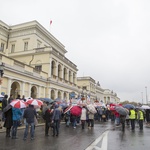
column 69, row 76
column 52, row 94
column 65, row 74
column 53, row 66
column 59, row 71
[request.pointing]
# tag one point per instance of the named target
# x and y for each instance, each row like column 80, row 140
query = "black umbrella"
column 7, row 108
column 49, row 100
column 121, row 110
column 129, row 106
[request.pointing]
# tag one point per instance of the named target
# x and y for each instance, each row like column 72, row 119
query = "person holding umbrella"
column 4, row 104
column 29, row 115
column 8, row 119
column 17, row 114
column 56, row 120
column 122, row 121
column 123, row 112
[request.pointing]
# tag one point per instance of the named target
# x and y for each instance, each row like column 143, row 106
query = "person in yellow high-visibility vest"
column 132, row 118
column 140, row 117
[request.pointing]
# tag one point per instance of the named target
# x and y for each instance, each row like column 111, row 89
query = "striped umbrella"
column 34, row 102
column 18, row 104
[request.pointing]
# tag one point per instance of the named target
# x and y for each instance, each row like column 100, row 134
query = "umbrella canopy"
column 91, row 108
column 111, row 107
column 18, row 104
column 76, row 110
column 63, row 105
column 1, row 97
column 145, row 107
column 67, row 109
column 48, row 100
column 121, row 110
column 129, row 106
column 57, row 100
column 7, row 108
column 34, row 102
column 98, row 104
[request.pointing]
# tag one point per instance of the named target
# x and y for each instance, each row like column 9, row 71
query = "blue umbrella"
column 49, row 100
column 63, row 105
column 129, row 106
column 57, row 100
column 1, row 98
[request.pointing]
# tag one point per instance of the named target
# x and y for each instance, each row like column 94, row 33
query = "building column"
column 56, row 94
column 44, row 92
column 23, row 86
column 39, row 91
column 56, row 70
column 9, row 86
column 29, row 92
column 48, row 94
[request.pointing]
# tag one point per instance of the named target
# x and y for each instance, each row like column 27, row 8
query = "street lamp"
column 146, row 94
column 142, row 96
column 1, row 69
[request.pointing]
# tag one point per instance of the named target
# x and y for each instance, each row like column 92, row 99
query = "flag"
column 50, row 22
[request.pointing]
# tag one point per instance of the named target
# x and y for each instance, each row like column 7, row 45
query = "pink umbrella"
column 18, row 104
column 34, row 102
column 76, row 110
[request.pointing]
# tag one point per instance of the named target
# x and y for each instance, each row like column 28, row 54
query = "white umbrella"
column 34, row 102
column 145, row 107
column 18, row 104
column 1, row 95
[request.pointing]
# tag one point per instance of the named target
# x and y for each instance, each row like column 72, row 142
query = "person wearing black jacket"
column 48, row 119
column 8, row 121
column 29, row 115
column 4, row 104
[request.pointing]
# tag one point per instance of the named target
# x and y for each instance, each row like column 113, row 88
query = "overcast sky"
column 108, row 40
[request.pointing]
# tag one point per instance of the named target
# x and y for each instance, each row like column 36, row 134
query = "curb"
column 21, row 127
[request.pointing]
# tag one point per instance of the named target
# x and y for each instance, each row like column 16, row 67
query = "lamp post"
column 146, row 95
column 1, row 70
column 142, row 96
column 1, row 73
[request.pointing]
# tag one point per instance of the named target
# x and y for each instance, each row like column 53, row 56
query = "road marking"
column 104, row 138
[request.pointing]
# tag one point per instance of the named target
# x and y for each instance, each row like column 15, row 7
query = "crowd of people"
column 53, row 114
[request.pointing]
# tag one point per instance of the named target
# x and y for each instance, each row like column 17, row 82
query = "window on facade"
column 73, row 78
column 2, row 47
column 25, row 46
column 65, row 74
column 38, row 68
column 12, row 48
column 69, row 76
column 84, row 87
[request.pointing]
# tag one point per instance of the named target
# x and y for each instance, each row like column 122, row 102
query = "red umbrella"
column 34, row 102
column 112, row 106
column 76, row 110
column 18, row 104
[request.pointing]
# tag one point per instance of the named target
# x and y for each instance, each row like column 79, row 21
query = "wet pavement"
column 103, row 136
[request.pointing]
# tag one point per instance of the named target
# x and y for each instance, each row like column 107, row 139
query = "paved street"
column 104, row 136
